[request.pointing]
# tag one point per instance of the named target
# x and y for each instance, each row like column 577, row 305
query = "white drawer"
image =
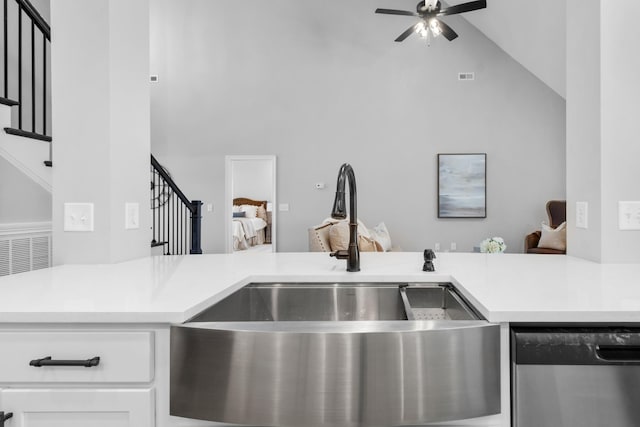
column 125, row 357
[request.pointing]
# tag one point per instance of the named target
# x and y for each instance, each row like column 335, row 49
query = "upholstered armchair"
column 557, row 212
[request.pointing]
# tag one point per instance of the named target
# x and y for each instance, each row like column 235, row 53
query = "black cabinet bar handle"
column 618, row 353
column 4, row 417
column 47, row 361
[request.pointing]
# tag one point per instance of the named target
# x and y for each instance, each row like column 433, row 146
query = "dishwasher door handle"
column 618, row 353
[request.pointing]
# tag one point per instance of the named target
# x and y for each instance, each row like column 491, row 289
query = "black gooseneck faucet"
column 339, row 211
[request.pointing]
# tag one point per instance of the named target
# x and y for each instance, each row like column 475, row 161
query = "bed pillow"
column 261, row 213
column 235, row 208
column 251, row 211
column 380, row 234
column 239, row 214
column 554, row 238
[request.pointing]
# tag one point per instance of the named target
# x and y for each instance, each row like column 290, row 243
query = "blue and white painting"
column 462, row 185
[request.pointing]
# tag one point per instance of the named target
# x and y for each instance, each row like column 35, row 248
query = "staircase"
column 25, row 94
column 25, row 117
column 176, row 220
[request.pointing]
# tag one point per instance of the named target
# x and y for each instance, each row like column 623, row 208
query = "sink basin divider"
column 405, row 301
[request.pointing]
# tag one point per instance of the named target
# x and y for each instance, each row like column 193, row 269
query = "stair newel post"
column 196, row 227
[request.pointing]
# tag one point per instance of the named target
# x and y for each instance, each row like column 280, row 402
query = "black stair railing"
column 26, row 46
column 177, row 221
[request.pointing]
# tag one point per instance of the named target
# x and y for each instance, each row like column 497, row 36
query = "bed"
column 248, row 230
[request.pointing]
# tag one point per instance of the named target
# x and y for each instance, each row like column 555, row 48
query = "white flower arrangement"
column 493, row 245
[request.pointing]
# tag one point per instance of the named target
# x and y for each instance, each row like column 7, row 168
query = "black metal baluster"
column 33, row 76
column 173, row 229
column 166, row 220
column 153, row 203
column 184, row 252
column 182, row 228
column 173, row 223
column 185, row 230
column 44, row 84
column 6, row 55
column 19, row 66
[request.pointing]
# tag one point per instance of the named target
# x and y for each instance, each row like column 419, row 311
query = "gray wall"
column 21, row 199
column 322, row 83
column 584, row 170
column 253, row 179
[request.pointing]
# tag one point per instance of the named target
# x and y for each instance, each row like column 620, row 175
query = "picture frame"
column 462, row 185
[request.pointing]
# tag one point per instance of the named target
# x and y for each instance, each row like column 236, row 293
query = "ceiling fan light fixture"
column 434, row 26
column 421, row 29
column 428, row 11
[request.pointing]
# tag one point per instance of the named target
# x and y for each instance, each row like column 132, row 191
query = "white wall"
column 620, row 126
column 101, row 114
column 602, row 127
column 252, row 179
column 322, row 83
column 21, row 199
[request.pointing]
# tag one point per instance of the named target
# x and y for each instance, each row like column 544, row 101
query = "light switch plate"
column 582, row 215
column 284, row 207
column 629, row 215
column 131, row 216
column 78, row 217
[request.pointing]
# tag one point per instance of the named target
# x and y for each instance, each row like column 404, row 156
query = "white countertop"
column 171, row 289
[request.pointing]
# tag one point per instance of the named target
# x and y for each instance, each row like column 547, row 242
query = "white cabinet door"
column 78, row 407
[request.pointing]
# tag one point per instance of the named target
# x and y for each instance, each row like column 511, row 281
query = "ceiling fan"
column 429, row 11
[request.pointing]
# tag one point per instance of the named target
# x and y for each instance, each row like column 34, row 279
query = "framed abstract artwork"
column 462, row 185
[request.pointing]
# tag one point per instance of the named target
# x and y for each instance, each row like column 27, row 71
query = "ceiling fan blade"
column 396, row 12
column 410, row 30
column 464, row 7
column 447, row 31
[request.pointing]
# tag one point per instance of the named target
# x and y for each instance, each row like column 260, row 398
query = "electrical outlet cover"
column 629, row 215
column 132, row 216
column 582, row 215
column 78, row 217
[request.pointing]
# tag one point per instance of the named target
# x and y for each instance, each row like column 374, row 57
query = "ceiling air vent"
column 466, row 76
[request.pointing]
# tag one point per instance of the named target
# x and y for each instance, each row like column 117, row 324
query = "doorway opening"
column 250, row 200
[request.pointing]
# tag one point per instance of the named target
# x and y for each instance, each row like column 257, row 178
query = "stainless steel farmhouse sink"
column 336, row 354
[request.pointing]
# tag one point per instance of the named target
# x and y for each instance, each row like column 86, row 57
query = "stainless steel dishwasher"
column 576, row 377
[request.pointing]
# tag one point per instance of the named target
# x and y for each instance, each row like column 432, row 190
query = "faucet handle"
column 342, row 254
column 429, row 256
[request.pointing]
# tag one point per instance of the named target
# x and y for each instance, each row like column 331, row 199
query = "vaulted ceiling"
column 532, row 32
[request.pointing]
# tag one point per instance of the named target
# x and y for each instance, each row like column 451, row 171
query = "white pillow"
column 554, row 238
column 250, row 211
column 380, row 234
column 236, row 208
